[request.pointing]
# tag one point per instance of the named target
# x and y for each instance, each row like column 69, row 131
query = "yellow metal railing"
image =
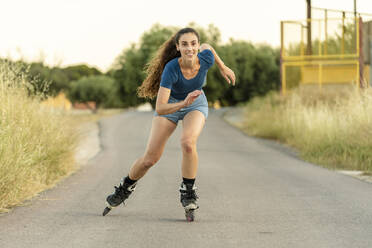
column 333, row 53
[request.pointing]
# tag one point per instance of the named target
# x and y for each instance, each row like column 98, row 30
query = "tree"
column 100, row 89
column 76, row 72
column 60, row 78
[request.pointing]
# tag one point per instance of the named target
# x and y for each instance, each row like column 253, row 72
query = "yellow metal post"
column 302, row 41
column 282, row 54
column 320, row 75
column 320, row 36
column 282, row 38
column 358, row 51
column 302, row 53
column 284, row 83
column 325, row 32
column 357, row 36
column 320, row 54
column 370, row 63
column 357, row 75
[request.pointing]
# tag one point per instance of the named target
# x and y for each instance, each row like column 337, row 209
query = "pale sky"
column 95, row 32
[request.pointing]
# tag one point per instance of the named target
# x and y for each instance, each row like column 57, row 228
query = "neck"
column 188, row 64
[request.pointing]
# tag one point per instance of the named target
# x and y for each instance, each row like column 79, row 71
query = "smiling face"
column 188, row 45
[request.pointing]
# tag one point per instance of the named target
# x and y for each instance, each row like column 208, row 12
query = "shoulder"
column 169, row 74
column 172, row 64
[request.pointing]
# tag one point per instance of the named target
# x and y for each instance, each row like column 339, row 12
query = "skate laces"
column 124, row 191
column 189, row 193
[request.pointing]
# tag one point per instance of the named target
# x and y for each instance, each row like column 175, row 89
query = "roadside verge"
column 89, row 145
column 235, row 117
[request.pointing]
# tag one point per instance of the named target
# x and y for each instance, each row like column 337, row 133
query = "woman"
column 176, row 76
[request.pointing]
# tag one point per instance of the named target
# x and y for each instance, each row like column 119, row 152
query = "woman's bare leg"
column 161, row 130
column 193, row 124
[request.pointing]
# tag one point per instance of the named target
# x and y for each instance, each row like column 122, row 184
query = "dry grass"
column 331, row 128
column 36, row 144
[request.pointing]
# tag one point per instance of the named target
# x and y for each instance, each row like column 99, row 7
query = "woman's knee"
column 150, row 160
column 188, row 145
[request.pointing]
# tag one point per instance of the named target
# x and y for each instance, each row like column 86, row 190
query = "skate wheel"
column 189, row 214
column 106, row 211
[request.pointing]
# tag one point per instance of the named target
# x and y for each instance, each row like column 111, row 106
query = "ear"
column 177, row 47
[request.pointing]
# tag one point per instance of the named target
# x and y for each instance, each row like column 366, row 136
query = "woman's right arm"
column 163, row 107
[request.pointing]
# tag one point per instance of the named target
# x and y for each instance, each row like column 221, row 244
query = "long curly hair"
column 154, row 69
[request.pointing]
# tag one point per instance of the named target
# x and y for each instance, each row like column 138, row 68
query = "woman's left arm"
column 226, row 72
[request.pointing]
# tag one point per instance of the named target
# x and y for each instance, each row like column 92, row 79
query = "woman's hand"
column 191, row 97
column 228, row 74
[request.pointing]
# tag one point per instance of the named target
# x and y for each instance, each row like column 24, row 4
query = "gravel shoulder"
column 89, row 145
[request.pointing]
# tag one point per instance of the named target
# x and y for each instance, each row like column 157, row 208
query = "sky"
column 95, row 32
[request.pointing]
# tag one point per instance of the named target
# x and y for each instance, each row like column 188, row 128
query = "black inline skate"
column 122, row 192
column 188, row 200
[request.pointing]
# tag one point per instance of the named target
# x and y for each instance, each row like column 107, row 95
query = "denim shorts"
column 200, row 104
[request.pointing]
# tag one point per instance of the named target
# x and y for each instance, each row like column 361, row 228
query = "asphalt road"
column 253, row 193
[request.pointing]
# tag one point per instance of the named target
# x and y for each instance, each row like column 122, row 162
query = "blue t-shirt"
column 173, row 79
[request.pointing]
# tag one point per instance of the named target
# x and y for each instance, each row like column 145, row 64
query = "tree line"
column 256, row 68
